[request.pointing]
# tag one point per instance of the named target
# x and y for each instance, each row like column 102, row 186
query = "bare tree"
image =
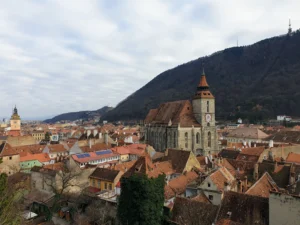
column 100, row 212
column 63, row 182
column 9, row 203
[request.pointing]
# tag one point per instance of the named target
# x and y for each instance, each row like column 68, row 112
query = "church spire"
column 203, row 88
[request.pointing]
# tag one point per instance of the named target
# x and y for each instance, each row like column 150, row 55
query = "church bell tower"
column 15, row 123
column 204, row 104
column 204, row 112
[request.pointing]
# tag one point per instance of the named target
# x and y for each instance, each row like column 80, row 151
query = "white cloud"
column 59, row 56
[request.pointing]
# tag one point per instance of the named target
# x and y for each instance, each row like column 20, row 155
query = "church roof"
column 173, row 113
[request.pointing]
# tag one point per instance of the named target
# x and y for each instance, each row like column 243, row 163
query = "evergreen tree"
column 142, row 200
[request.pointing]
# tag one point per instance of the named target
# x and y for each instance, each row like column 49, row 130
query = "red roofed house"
column 10, row 159
column 28, row 161
column 184, row 125
column 56, row 151
column 215, row 185
column 103, row 158
column 263, row 186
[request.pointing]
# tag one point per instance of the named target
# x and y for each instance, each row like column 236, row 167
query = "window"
column 110, row 186
column 198, row 138
column 208, row 124
column 10, row 157
column 105, row 186
column 186, row 138
column 207, row 105
column 210, row 197
column 99, row 184
column 33, row 184
column 208, row 184
column 209, row 139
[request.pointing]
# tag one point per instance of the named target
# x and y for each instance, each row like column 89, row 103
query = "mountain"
column 71, row 116
column 257, row 81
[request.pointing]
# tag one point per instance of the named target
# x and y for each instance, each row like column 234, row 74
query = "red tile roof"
column 178, row 112
column 263, row 186
column 179, row 184
column 92, row 156
column 41, row 157
column 57, row 148
column 220, row 177
column 293, row 158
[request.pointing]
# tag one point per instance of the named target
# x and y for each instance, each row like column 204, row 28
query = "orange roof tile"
column 293, row 158
column 221, row 176
column 41, row 157
column 124, row 166
column 263, row 186
column 56, row 148
column 179, row 184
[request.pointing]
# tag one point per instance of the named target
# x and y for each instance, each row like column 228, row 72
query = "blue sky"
column 58, row 56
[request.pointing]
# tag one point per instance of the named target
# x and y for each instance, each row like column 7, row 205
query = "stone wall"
column 284, row 209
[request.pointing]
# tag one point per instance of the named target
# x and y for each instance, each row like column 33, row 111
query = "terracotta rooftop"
column 220, row 177
column 173, row 113
column 179, row 184
column 263, row 186
column 247, row 132
column 124, row 166
column 96, row 147
column 293, row 158
column 91, row 156
column 201, row 198
column 7, row 150
column 253, row 151
column 142, row 166
column 41, row 157
column 57, row 148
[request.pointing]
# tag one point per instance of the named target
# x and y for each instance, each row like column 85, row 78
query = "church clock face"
column 208, row 117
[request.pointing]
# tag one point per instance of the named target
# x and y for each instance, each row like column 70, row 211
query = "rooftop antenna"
column 290, row 28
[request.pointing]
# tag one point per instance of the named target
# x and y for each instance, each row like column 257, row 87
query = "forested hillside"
column 260, row 81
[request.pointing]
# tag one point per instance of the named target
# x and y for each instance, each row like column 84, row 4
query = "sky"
column 59, row 56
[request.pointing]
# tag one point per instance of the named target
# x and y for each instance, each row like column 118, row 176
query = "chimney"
column 95, row 132
column 271, row 144
column 106, row 138
column 88, row 133
column 100, row 135
column 226, row 186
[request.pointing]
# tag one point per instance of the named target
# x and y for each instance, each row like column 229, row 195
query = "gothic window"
column 186, row 137
column 207, row 105
column 209, row 139
column 198, row 138
column 174, row 140
column 208, row 124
